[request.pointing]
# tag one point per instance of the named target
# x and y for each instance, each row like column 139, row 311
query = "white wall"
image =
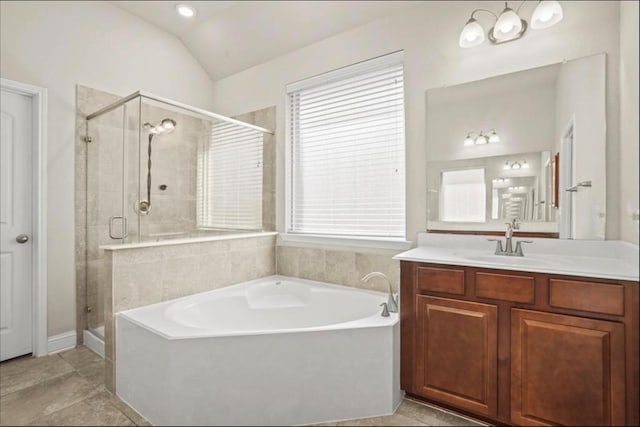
column 629, row 135
column 429, row 34
column 520, row 107
column 59, row 44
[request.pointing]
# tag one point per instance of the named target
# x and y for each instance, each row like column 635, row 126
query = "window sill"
column 353, row 241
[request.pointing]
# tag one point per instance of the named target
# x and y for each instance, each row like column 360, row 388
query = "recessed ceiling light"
column 185, row 10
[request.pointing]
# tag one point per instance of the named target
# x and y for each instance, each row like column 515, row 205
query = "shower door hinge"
column 88, row 139
column 88, row 309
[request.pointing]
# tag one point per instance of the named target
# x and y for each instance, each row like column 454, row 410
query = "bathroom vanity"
column 550, row 338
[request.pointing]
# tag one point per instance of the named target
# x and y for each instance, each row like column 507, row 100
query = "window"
column 346, row 152
column 230, row 178
column 463, row 196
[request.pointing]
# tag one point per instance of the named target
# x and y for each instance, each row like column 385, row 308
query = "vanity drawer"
column 505, row 287
column 587, row 296
column 445, row 280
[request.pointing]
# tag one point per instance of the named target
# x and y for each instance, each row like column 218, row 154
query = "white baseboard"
column 93, row 343
column 63, row 341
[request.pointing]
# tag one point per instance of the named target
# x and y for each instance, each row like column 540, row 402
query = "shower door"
column 113, row 143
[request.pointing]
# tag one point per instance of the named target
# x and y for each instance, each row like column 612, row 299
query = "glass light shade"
column 508, row 25
column 472, row 34
column 494, row 138
column 516, row 165
column 525, row 165
column 546, row 14
column 481, row 139
column 468, row 141
column 506, row 166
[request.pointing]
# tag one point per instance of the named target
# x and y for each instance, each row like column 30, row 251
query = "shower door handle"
column 124, row 229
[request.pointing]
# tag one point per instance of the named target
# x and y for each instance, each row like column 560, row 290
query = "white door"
column 16, row 191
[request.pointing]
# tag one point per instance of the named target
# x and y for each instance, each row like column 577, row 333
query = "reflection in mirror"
column 527, row 145
column 490, row 191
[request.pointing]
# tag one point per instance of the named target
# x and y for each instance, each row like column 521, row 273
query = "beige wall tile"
column 343, row 267
column 135, row 285
column 287, row 261
column 215, row 271
column 109, row 375
column 340, row 267
column 311, row 264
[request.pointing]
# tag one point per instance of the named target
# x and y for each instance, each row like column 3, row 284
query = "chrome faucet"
column 392, row 303
column 508, row 234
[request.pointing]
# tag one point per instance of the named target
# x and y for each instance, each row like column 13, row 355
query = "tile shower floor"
column 67, row 389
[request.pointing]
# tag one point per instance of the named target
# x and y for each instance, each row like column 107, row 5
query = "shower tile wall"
column 174, row 165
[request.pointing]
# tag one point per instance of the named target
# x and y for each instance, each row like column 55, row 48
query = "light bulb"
column 516, row 165
column 494, row 138
column 508, row 25
column 472, row 34
column 546, row 14
column 481, row 139
column 506, row 166
column 468, row 141
column 525, row 165
column 185, row 10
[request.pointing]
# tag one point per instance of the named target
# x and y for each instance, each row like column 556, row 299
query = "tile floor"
column 67, row 389
column 64, row 389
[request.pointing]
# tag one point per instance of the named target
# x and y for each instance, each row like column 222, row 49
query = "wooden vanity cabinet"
column 456, row 353
column 520, row 348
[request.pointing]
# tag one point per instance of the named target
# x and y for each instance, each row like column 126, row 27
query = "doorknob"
column 22, row 238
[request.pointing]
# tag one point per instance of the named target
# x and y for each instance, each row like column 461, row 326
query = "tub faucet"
column 392, row 304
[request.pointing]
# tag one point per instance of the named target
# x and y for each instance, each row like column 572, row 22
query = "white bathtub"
column 273, row 351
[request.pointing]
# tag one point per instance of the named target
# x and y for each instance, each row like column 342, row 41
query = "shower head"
column 165, row 126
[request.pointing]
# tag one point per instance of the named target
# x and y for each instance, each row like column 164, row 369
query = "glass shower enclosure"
column 158, row 169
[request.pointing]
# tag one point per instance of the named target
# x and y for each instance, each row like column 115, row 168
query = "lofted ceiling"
column 227, row 37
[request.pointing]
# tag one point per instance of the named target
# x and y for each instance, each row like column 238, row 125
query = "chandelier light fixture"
column 509, row 25
column 480, row 138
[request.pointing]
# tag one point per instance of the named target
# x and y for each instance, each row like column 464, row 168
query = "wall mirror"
column 528, row 145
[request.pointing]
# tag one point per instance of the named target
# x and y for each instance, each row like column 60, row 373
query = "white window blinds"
column 230, row 178
column 347, row 151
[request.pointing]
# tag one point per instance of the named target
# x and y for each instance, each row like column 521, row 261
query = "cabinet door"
column 566, row 370
column 456, row 353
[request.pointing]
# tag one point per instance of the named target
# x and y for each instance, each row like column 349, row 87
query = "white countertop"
column 606, row 259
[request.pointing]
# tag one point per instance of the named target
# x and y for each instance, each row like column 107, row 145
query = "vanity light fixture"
column 185, row 10
column 517, row 165
column 479, row 138
column 509, row 25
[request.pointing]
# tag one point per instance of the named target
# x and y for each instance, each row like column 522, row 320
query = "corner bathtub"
column 273, row 351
